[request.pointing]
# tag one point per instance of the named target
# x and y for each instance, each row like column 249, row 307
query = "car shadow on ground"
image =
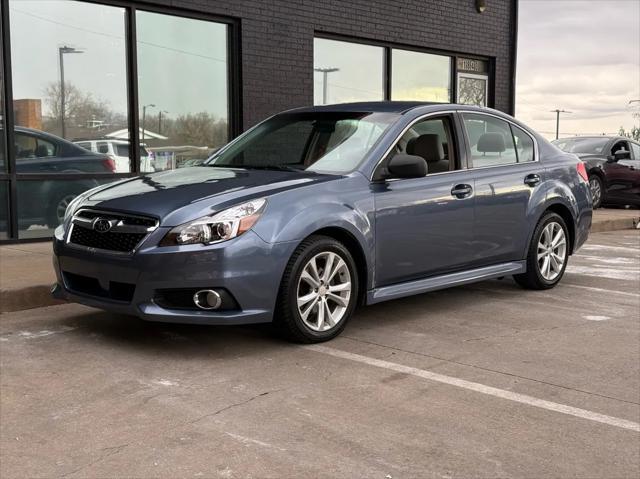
column 184, row 340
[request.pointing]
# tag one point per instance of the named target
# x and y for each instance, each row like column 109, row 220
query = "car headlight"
column 222, row 226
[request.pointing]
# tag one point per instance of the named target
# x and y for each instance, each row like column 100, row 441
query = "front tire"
column 597, row 190
column 548, row 254
column 319, row 291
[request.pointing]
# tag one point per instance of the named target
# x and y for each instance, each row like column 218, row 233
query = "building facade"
column 94, row 91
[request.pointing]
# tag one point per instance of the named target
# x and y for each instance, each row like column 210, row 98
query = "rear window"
column 590, row 146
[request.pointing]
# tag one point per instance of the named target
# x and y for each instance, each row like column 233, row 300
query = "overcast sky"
column 582, row 56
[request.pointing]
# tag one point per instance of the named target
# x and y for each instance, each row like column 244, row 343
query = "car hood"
column 184, row 194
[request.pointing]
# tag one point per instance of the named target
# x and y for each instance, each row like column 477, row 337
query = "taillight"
column 582, row 172
column 109, row 164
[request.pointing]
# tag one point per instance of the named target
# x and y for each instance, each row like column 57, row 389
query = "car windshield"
column 123, row 150
column 592, row 146
column 328, row 142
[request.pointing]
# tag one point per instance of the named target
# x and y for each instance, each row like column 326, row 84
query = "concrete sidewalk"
column 26, row 274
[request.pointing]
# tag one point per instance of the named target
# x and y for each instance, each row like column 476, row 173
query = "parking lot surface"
column 487, row 380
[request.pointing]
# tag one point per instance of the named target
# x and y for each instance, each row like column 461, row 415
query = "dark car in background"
column 613, row 166
column 38, row 152
column 319, row 209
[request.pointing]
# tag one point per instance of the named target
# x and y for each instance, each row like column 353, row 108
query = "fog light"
column 207, row 299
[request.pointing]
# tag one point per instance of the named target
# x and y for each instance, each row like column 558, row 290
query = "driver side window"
column 620, row 146
column 431, row 140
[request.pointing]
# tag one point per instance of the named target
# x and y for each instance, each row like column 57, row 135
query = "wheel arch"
column 354, row 246
column 565, row 213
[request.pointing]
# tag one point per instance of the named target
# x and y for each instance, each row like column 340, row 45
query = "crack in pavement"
column 231, row 406
column 110, row 452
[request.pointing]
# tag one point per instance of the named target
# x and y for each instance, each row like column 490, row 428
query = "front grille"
column 126, row 232
column 123, row 242
column 91, row 286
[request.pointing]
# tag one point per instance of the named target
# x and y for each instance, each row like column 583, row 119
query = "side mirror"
column 407, row 166
column 621, row 155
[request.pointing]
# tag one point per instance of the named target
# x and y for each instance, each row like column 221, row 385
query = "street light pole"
column 557, row 112
column 325, row 72
column 144, row 117
column 61, row 51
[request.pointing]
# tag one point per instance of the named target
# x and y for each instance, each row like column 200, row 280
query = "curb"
column 26, row 298
column 615, row 225
column 39, row 296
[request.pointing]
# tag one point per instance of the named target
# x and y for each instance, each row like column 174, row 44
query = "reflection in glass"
column 42, row 203
column 346, row 72
column 420, row 76
column 183, row 91
column 69, row 78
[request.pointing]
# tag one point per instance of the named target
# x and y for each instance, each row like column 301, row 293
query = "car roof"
column 368, row 106
column 400, row 107
column 593, row 137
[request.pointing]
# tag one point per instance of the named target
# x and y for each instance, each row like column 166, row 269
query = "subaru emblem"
column 102, row 225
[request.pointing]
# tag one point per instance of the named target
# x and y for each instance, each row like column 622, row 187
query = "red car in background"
column 613, row 165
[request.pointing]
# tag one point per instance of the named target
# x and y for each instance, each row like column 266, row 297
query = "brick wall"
column 28, row 113
column 277, row 39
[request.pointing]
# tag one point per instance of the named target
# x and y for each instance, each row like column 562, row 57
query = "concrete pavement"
column 91, row 394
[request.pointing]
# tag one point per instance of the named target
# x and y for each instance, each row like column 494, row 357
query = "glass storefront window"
column 42, row 203
column 347, row 72
column 69, row 85
column 183, row 90
column 420, row 76
column 472, row 89
column 4, row 210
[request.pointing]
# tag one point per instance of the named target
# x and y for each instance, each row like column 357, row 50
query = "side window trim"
column 467, row 144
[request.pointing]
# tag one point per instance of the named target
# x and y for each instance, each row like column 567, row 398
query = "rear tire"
column 318, row 292
column 548, row 254
column 596, row 186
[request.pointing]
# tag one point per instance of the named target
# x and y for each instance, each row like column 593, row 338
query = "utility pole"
column 557, row 112
column 61, row 51
column 325, row 72
column 144, row 118
column 160, row 121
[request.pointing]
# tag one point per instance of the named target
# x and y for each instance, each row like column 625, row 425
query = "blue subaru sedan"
column 317, row 210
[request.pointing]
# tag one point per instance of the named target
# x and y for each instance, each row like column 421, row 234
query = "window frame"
column 9, row 174
column 388, row 61
column 536, row 156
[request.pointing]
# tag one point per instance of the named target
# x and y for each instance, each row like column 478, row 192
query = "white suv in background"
column 118, row 150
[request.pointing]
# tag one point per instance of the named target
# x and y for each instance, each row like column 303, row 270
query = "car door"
column 508, row 179
column 424, row 225
column 623, row 176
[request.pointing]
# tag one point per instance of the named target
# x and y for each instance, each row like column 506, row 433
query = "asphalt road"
column 485, row 381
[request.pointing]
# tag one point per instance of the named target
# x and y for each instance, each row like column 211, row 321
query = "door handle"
column 461, row 191
column 532, row 179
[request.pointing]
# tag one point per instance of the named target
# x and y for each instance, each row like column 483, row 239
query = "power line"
column 118, row 37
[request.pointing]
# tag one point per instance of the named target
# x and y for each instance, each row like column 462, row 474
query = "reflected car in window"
column 613, row 165
column 317, row 210
column 118, row 151
column 43, row 202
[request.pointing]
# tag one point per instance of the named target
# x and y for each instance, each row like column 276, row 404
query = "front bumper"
column 247, row 267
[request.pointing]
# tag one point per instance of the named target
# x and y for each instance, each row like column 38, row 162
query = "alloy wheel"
column 596, row 190
column 324, row 291
column 552, row 251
